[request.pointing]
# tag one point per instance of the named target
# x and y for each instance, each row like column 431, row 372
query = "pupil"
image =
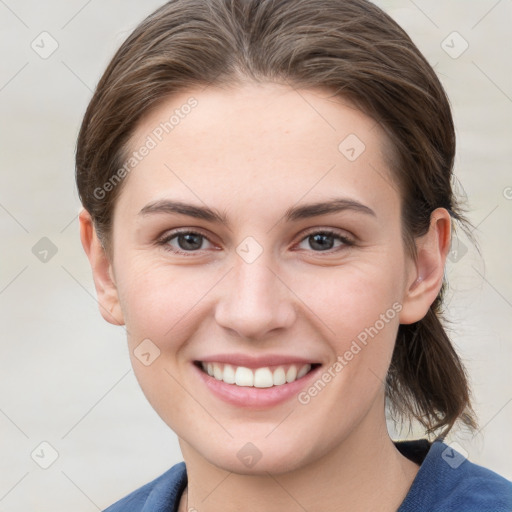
column 193, row 241
column 316, row 240
column 189, row 241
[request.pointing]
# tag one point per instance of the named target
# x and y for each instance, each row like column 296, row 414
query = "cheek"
column 157, row 300
column 347, row 300
column 357, row 310
column 159, row 304
column 163, row 302
column 361, row 311
column 340, row 306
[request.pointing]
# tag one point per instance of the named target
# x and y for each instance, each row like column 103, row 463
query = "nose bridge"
column 253, row 280
column 256, row 301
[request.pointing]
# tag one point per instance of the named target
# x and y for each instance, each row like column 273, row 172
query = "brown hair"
column 350, row 47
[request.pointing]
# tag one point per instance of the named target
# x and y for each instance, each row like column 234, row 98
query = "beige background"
column 65, row 373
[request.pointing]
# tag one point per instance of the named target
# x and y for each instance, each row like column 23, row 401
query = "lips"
column 255, row 382
column 259, row 377
column 245, row 394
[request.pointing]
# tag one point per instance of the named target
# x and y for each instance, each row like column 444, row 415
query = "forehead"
column 258, row 142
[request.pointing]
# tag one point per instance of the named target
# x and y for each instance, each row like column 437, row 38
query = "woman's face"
column 265, row 288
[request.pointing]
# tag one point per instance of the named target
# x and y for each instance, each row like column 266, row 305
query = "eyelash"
column 164, row 242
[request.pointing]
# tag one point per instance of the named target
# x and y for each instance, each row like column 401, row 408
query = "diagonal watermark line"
column 377, row 377
column 282, row 421
column 492, row 81
column 13, row 13
column 197, row 401
column 14, row 423
column 489, row 283
column 386, row 179
column 81, row 419
column 485, row 15
column 80, row 490
column 13, row 279
column 312, row 106
column 90, row 295
column 79, row 283
column 216, row 487
column 286, row 491
column 69, row 224
column 424, row 13
column 494, row 416
column 486, row 217
column 165, row 165
column 14, row 76
column 304, row 195
column 76, row 75
column 206, row 293
column 76, row 14
column 13, row 217
column 15, row 485
column 301, row 300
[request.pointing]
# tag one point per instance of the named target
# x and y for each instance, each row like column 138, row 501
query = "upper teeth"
column 259, row 377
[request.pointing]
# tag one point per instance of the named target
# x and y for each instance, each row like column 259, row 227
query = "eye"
column 187, row 242
column 323, row 241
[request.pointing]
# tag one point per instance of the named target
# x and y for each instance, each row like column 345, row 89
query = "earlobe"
column 425, row 282
column 106, row 290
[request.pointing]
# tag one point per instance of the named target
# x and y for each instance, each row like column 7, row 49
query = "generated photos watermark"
column 342, row 361
column 151, row 142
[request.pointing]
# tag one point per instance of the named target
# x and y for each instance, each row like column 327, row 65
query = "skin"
column 251, row 152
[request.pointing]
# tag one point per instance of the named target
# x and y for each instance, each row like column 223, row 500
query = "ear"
column 102, row 271
column 426, row 279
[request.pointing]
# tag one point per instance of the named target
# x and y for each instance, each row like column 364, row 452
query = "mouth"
column 262, row 377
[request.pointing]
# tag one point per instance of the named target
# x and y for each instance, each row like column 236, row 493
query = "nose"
column 255, row 300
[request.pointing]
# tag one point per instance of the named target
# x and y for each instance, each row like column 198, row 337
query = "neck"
column 363, row 473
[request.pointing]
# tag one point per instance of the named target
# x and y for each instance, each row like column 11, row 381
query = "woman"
column 268, row 209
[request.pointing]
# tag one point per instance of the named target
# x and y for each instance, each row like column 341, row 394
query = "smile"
column 264, row 377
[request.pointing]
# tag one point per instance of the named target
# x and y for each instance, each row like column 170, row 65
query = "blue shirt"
column 445, row 482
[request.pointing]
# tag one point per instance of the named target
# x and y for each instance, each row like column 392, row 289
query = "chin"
column 256, row 458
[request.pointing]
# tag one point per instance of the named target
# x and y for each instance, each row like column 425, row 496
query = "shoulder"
column 161, row 494
column 448, row 482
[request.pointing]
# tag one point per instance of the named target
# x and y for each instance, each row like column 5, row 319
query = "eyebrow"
column 293, row 213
